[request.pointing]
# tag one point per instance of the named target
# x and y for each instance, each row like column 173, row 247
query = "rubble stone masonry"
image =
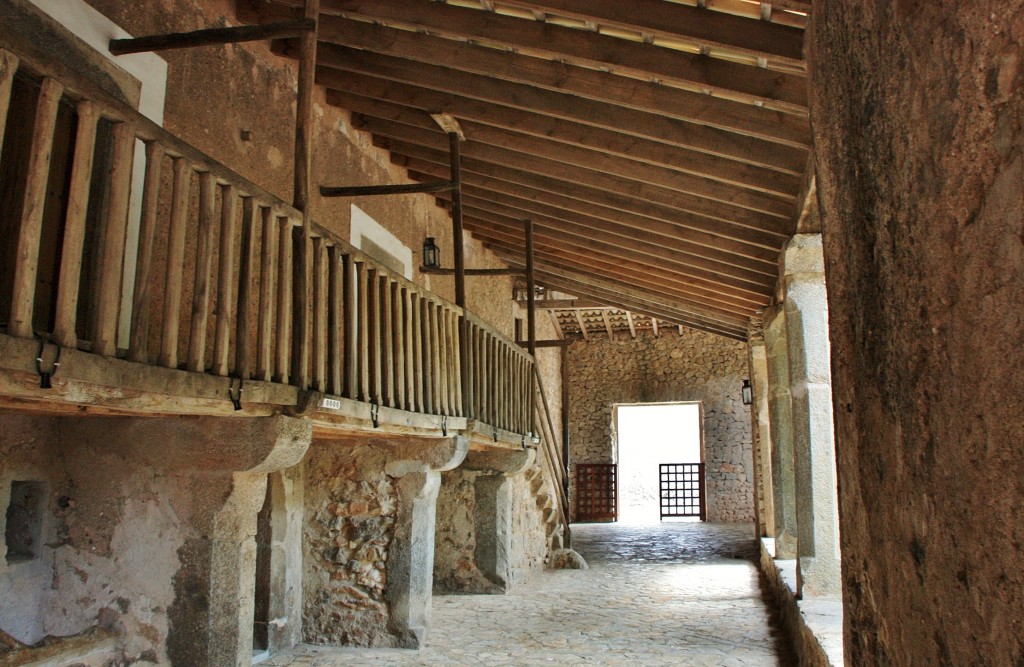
column 692, row 366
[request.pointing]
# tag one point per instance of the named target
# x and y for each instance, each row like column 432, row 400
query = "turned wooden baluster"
column 74, row 222
column 31, row 228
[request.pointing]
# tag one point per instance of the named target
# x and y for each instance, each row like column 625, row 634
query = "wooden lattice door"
column 681, row 490
column 596, row 492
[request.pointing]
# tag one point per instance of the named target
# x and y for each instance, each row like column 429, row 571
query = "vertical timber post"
column 460, row 265
column 302, row 191
column 531, row 312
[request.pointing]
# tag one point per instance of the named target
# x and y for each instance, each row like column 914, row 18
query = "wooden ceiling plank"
column 682, row 22
column 576, row 269
column 669, row 260
column 592, row 186
column 787, row 92
column 628, row 236
column 642, row 216
column 586, row 159
column 745, row 119
column 503, row 126
column 630, row 240
column 647, row 308
column 638, row 287
column 473, row 96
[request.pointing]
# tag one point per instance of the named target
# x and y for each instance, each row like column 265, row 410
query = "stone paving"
column 675, row 594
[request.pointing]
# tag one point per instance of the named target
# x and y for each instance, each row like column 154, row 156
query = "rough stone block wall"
column 350, row 521
column 455, row 569
column 692, row 366
column 916, row 113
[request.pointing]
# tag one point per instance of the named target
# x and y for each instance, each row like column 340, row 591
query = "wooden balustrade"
column 220, row 268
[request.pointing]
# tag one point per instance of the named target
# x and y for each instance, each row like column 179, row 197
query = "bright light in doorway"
column 648, row 435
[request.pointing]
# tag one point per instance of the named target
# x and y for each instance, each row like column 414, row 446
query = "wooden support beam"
column 212, row 36
column 732, row 79
column 654, row 326
column 730, row 222
column 659, row 277
column 682, row 22
column 607, row 324
column 583, row 326
column 563, row 304
column 543, row 175
column 632, row 325
column 526, row 150
column 531, row 291
column 373, row 190
column 585, row 82
column 438, row 271
column 558, row 115
column 556, row 324
column 558, row 342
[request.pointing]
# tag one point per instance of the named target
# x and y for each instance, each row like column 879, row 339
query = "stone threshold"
column 814, row 625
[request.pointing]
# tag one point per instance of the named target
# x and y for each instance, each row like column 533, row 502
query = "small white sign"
column 330, row 403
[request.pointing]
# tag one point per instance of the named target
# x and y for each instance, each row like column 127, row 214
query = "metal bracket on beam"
column 211, row 37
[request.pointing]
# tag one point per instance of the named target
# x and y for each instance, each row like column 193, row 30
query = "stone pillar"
column 493, row 511
column 781, row 429
column 761, row 432
column 218, row 467
column 416, row 464
column 810, row 381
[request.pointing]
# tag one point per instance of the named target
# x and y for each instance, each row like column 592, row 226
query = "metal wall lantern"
column 431, row 254
column 748, row 393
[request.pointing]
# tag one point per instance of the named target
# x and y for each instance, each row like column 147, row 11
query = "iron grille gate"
column 596, row 492
column 681, row 489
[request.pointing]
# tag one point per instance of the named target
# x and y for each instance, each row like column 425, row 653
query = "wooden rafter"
column 632, row 326
column 607, row 324
column 583, row 325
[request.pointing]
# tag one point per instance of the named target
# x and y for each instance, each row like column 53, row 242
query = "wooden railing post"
column 320, row 328
column 269, row 280
column 337, row 338
column 31, row 228
column 8, row 68
column 74, row 223
column 225, row 281
column 109, row 298
column 284, row 300
column 204, row 268
column 181, row 193
column 246, row 269
column 142, row 295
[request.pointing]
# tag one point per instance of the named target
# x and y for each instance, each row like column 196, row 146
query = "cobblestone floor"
column 675, row 594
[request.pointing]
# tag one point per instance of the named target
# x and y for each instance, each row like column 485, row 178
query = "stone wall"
column 672, row 367
column 916, row 113
column 349, row 527
column 455, row 563
column 146, row 533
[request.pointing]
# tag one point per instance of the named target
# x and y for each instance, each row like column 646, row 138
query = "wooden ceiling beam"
column 474, row 96
column 642, row 215
column 787, row 92
column 503, row 126
column 633, row 241
column 630, row 272
column 670, row 262
column 635, row 272
column 723, row 114
column 583, row 326
column 643, row 306
column 592, row 186
column 607, row 324
column 682, row 22
column 587, row 159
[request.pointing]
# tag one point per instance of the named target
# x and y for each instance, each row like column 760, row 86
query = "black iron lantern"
column 748, row 393
column 431, row 254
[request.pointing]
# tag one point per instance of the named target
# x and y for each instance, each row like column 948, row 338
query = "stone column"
column 493, row 512
column 781, row 429
column 217, row 468
column 806, row 305
column 761, row 431
column 417, row 465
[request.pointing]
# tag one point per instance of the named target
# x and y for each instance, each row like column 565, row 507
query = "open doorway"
column 650, row 435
